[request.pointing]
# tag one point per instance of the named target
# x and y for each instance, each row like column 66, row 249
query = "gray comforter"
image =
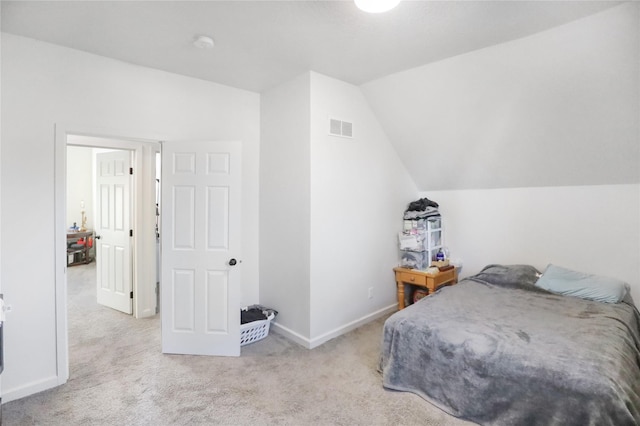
column 495, row 349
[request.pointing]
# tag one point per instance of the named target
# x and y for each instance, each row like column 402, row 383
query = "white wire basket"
column 255, row 330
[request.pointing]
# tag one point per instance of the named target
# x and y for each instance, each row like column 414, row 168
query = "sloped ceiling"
column 557, row 108
column 472, row 94
column 260, row 44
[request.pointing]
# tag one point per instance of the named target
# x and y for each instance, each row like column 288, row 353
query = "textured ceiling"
column 260, row 44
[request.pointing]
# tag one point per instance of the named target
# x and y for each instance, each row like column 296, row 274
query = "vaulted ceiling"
column 260, row 44
column 472, row 94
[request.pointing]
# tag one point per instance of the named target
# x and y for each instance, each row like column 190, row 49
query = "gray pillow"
column 522, row 277
column 587, row 286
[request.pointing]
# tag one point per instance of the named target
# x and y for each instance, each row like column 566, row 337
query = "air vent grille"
column 340, row 128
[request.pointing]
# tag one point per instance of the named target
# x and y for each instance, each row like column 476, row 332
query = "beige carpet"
column 119, row 377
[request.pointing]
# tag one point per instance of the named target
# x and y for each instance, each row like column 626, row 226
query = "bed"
column 498, row 349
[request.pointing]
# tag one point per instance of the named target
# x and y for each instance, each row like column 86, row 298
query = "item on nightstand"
column 415, row 259
column 440, row 263
column 421, row 209
column 413, row 242
column 432, row 270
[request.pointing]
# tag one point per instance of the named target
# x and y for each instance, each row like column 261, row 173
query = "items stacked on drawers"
column 421, row 236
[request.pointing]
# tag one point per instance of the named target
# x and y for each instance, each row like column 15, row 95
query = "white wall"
column 43, row 85
column 330, row 210
column 554, row 120
column 359, row 190
column 285, row 203
column 557, row 108
column 593, row 229
column 79, row 185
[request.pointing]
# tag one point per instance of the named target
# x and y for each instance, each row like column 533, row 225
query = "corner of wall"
column 284, row 203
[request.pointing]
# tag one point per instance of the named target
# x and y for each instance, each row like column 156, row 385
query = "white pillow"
column 587, row 286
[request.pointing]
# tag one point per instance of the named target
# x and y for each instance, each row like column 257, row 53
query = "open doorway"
column 124, row 201
column 217, row 229
column 143, row 205
column 111, row 199
column 99, row 214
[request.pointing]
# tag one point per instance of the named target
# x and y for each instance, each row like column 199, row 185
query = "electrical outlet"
column 370, row 292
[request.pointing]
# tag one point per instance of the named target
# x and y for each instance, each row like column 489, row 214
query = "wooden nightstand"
column 422, row 279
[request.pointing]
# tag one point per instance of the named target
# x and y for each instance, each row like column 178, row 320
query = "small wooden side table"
column 422, row 279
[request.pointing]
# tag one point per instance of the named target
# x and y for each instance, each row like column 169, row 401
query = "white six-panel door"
column 200, row 235
column 113, row 241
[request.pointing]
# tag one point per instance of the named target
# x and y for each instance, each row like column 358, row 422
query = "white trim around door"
column 144, row 251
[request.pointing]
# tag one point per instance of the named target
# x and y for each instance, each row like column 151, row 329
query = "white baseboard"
column 29, row 389
column 317, row 341
column 147, row 313
column 290, row 334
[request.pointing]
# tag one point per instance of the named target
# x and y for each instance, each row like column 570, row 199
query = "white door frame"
column 144, row 250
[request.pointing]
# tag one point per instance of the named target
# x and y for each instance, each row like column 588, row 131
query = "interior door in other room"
column 113, row 240
column 200, row 248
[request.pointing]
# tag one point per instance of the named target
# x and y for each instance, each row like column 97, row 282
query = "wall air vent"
column 340, row 128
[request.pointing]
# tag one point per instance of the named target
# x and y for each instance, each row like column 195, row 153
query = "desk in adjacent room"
column 82, row 254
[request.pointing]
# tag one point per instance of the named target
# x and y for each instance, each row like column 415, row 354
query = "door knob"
column 98, row 237
column 232, row 262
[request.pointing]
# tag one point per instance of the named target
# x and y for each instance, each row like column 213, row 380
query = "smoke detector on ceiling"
column 203, row 42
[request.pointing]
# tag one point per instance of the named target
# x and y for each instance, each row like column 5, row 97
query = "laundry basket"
column 255, row 330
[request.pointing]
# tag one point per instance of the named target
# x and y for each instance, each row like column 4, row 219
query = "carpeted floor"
column 118, row 376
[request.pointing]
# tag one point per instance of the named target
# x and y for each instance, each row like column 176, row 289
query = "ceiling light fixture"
column 376, row 6
column 203, row 42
